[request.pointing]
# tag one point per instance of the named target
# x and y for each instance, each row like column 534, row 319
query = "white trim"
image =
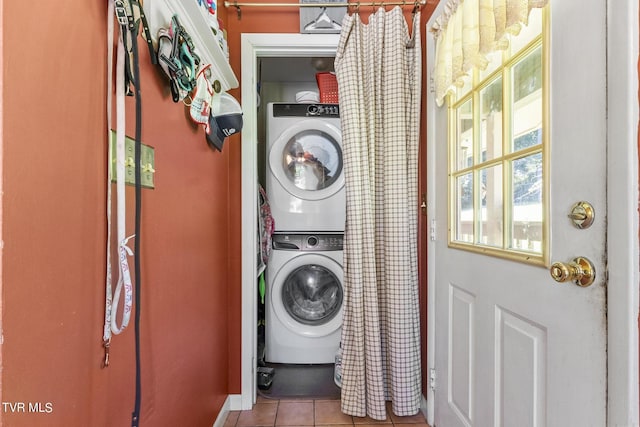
column 254, row 46
column 235, row 402
column 224, row 411
column 430, row 117
column 622, row 201
column 424, row 408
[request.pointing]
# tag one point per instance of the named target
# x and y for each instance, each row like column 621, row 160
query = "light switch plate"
column 147, row 162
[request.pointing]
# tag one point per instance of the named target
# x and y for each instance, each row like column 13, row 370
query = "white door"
column 513, row 347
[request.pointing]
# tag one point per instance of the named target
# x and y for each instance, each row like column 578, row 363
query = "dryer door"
column 306, row 159
column 307, row 295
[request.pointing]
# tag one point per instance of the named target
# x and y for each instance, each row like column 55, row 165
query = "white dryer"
column 304, row 299
column 305, row 176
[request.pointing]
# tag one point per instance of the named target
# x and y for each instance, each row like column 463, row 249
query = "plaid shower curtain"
column 378, row 67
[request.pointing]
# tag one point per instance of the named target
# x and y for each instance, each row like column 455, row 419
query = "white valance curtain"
column 468, row 30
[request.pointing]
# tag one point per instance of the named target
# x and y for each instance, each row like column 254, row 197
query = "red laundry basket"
column 328, row 87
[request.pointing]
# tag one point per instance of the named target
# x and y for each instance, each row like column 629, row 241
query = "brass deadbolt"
column 579, row 271
column 582, row 215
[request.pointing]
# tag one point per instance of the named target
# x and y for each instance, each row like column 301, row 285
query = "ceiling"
column 293, row 69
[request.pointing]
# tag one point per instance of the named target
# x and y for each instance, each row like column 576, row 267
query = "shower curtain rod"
column 355, row 4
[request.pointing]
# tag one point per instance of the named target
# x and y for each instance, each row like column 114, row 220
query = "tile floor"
column 301, row 412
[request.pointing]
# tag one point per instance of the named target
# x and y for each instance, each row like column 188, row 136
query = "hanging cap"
column 225, row 119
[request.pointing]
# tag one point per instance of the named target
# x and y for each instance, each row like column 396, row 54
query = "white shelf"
column 191, row 16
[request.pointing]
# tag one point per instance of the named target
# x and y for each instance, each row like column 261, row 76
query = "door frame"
column 254, row 46
column 622, row 224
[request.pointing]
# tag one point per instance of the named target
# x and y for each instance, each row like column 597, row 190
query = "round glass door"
column 312, row 160
column 307, row 161
column 312, row 295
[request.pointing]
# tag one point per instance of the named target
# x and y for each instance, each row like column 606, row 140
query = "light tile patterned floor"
column 298, row 413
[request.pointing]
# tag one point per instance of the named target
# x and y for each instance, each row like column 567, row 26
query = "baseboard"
column 424, row 407
column 233, row 402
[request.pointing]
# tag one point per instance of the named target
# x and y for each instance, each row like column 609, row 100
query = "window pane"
column 491, row 120
column 464, row 208
column 496, row 153
column 527, row 100
column 460, row 92
column 464, row 151
column 526, row 231
column 495, row 61
column 528, row 140
column 490, row 194
column 529, row 32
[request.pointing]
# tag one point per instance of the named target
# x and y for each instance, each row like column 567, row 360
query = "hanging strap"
column 124, row 278
column 112, row 298
column 124, row 12
column 130, row 15
column 106, row 335
column 133, row 28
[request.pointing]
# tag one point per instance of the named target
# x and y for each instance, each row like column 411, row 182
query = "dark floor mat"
column 302, row 381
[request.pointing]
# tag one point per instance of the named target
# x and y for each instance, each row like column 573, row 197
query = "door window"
column 312, row 295
column 312, row 160
column 497, row 127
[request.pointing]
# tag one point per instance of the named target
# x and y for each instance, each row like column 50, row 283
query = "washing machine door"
column 306, row 159
column 307, row 295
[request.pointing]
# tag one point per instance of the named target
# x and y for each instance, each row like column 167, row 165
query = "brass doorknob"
column 579, row 271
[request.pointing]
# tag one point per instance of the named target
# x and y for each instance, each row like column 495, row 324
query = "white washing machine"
column 305, row 176
column 304, row 298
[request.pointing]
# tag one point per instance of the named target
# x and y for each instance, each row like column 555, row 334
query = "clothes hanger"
column 323, row 21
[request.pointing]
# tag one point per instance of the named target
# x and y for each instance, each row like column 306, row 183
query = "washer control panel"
column 306, row 110
column 308, row 241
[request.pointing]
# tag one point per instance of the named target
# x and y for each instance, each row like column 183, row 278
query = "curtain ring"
column 416, row 7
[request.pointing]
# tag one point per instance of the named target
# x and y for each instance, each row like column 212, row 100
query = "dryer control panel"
column 308, row 241
column 306, row 110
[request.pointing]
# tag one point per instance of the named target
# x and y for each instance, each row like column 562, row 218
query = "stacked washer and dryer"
column 304, row 277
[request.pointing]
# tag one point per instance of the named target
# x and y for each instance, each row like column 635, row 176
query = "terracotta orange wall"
column 54, row 231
